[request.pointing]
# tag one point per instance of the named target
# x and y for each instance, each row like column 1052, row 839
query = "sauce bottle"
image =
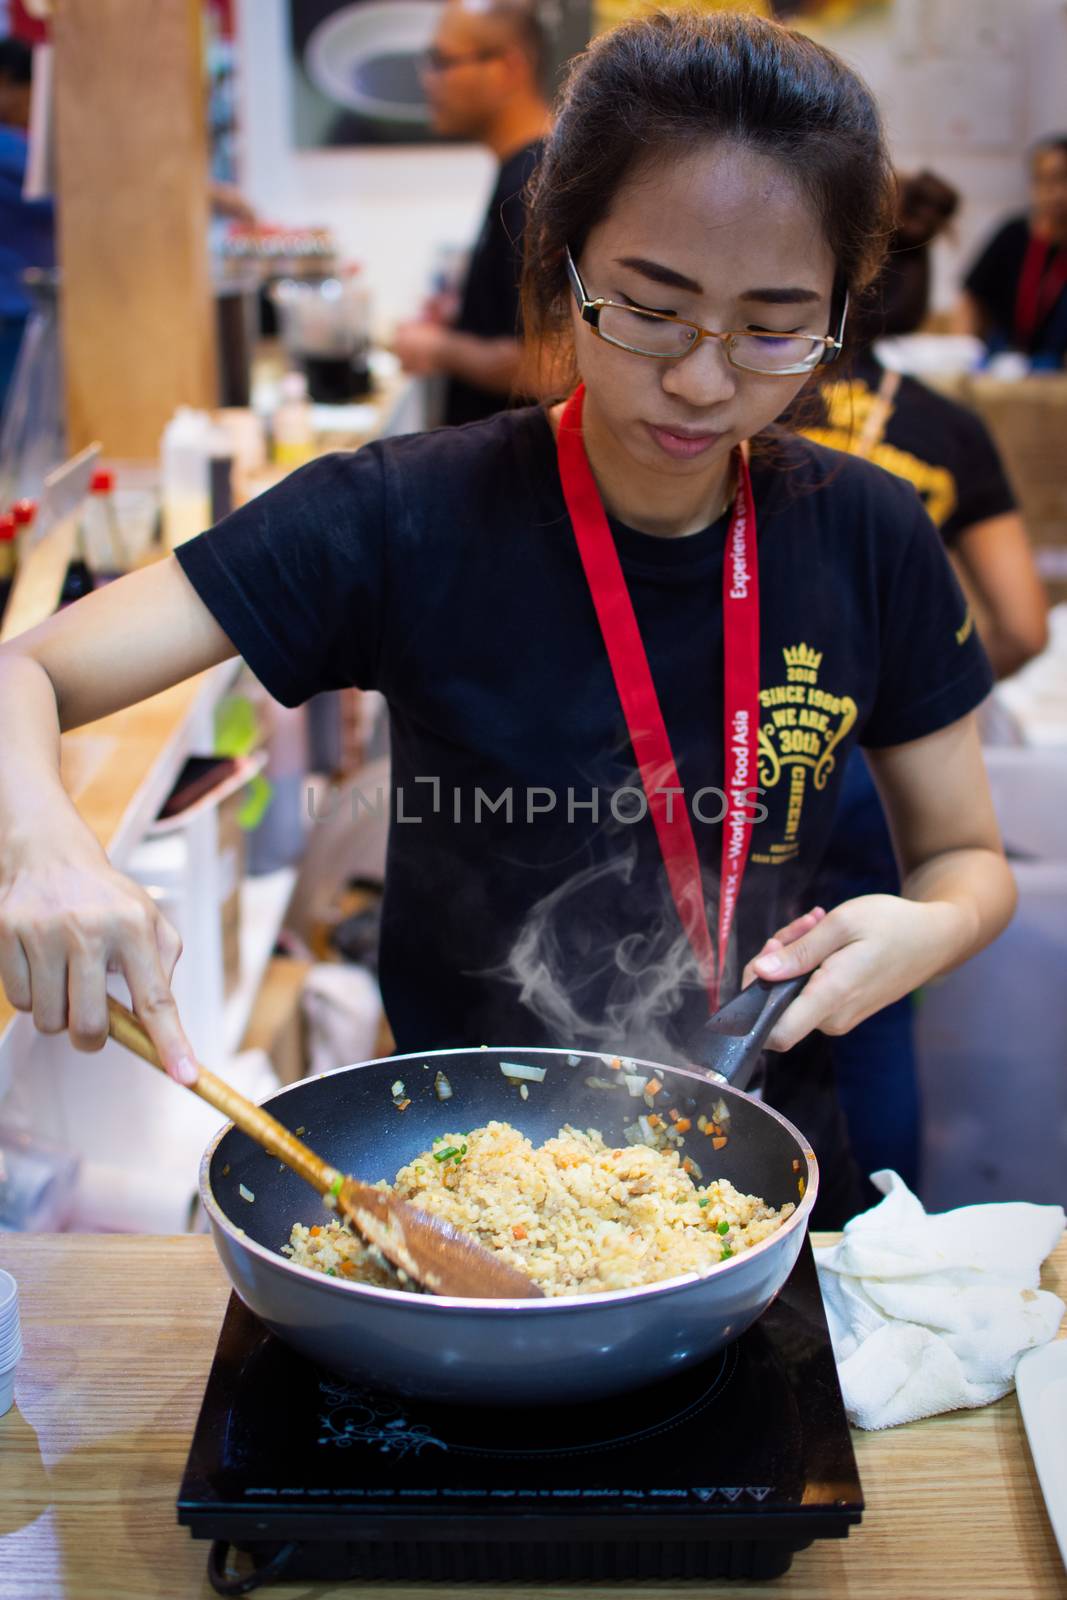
column 291, row 426
column 24, row 513
column 7, row 558
column 101, row 538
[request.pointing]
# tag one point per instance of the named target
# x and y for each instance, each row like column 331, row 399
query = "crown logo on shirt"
column 802, row 655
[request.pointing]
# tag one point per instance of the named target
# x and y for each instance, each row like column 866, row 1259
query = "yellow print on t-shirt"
column 848, row 406
column 801, row 729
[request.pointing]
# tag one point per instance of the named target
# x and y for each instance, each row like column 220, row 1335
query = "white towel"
column 931, row 1313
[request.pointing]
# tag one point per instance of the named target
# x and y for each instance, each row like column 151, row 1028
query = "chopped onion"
column 720, row 1112
column 574, row 1061
column 635, row 1084
column 246, row 1194
column 442, row 1087
column 642, row 1132
column 524, row 1092
column 397, row 1090
column 594, row 1082
column 515, row 1069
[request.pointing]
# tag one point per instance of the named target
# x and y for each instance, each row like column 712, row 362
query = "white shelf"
column 264, row 902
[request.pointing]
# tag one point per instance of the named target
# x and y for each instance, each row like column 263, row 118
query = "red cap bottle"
column 7, row 555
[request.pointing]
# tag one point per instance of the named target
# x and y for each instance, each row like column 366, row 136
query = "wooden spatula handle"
column 259, row 1125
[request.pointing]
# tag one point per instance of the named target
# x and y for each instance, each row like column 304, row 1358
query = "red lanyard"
column 1035, row 299
column 640, row 703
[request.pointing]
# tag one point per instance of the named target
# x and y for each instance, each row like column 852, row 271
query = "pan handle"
column 733, row 1038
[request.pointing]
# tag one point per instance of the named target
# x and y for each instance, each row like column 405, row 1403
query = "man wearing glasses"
column 483, row 81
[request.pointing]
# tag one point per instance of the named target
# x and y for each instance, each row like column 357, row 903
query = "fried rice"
column 575, row 1214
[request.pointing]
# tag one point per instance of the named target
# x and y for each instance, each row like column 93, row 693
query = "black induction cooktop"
column 724, row 1470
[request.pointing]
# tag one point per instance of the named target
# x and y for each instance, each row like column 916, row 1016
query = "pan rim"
column 403, row 1298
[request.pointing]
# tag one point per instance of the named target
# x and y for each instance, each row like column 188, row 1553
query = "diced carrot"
column 713, row 1130
column 683, row 1124
column 615, row 1064
column 720, row 1142
column 347, row 1268
column 654, row 1121
column 687, row 1165
column 315, row 1231
column 518, row 1231
column 402, row 1105
column 653, row 1086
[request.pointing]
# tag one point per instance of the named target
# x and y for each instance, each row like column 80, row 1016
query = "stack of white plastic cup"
column 10, row 1339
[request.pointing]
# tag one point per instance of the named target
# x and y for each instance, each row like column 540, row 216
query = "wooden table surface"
column 119, row 1333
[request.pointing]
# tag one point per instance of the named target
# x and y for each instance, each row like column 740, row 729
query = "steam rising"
column 591, row 989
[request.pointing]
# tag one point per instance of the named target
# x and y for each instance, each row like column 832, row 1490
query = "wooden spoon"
column 432, row 1252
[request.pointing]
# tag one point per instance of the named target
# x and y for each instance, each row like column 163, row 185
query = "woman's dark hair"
column 1052, row 141
column 672, row 81
column 898, row 301
column 16, row 61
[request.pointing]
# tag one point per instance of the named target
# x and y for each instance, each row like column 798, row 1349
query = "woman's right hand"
column 67, row 919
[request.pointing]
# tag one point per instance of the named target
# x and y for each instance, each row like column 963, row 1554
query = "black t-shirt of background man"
column 941, row 448
column 490, row 304
column 994, row 283
column 442, row 570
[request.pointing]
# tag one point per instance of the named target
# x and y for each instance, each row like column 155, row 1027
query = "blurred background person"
column 946, row 452
column 1015, row 295
column 941, row 447
column 27, row 227
column 483, row 78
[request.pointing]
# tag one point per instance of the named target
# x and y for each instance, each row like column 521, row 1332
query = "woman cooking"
column 600, row 626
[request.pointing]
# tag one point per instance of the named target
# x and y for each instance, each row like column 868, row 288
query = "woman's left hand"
column 863, row 955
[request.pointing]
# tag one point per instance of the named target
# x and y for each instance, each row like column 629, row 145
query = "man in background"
column 27, row 227
column 483, row 81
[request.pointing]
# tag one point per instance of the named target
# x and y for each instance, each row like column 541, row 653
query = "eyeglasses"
column 434, row 60
column 665, row 337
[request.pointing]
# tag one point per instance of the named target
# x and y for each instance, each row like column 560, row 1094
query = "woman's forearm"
column 977, row 891
column 35, row 809
column 112, row 649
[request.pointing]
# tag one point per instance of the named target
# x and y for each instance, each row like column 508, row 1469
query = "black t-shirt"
column 941, row 448
column 490, row 304
column 442, row 570
column 994, row 283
